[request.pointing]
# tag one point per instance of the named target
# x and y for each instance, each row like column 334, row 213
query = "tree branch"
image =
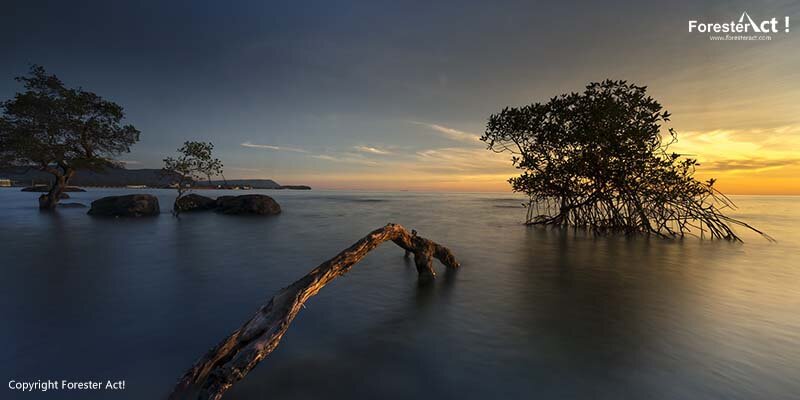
column 234, row 357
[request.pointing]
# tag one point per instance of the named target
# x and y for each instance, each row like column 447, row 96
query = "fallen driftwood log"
column 240, row 352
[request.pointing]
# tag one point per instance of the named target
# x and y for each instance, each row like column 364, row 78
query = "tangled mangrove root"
column 663, row 216
column 231, row 360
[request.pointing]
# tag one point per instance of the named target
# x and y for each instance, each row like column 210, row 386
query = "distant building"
column 5, row 182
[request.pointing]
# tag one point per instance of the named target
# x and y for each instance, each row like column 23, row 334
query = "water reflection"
column 533, row 312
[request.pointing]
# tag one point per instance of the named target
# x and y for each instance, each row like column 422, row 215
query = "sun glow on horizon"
column 743, row 161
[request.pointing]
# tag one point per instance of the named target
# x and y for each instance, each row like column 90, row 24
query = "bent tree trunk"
column 49, row 200
column 234, row 357
column 176, row 210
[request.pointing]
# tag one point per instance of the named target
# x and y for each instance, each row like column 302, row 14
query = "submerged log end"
column 445, row 256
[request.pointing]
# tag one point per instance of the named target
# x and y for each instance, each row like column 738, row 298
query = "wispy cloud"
column 742, row 150
column 755, row 164
column 461, row 161
column 450, row 133
column 372, row 150
column 130, row 162
column 781, row 138
column 271, row 147
column 351, row 159
column 243, row 169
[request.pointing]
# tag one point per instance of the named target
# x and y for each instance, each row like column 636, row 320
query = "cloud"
column 130, row 162
column 462, row 161
column 440, row 161
column 351, row 159
column 270, row 147
column 775, row 138
column 372, row 150
column 451, row 133
column 750, row 150
column 754, row 164
column 243, row 169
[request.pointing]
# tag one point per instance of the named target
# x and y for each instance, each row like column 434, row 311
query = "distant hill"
column 253, row 183
column 110, row 177
column 120, row 177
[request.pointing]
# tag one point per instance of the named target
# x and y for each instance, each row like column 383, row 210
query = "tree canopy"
column 61, row 130
column 193, row 163
column 599, row 159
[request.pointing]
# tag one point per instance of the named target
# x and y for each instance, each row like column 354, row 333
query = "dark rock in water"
column 132, row 205
column 296, row 187
column 72, row 205
column 45, row 189
column 255, row 204
column 195, row 202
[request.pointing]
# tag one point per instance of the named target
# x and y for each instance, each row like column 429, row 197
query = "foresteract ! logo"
column 744, row 29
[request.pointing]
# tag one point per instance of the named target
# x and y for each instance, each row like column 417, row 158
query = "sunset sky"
column 391, row 95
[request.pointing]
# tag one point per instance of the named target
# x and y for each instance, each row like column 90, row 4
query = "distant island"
column 250, row 183
column 123, row 177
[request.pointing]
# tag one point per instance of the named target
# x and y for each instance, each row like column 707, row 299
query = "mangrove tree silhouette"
column 61, row 130
column 598, row 160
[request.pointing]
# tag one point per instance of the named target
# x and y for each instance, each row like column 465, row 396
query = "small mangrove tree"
column 193, row 163
column 600, row 160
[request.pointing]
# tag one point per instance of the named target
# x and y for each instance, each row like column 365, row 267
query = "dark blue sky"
column 355, row 94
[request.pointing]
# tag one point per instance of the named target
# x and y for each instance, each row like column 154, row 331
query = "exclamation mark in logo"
column 787, row 24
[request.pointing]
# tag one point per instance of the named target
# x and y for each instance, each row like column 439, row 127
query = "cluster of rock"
column 142, row 205
column 249, row 204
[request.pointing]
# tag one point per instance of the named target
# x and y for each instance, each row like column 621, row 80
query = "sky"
column 390, row 95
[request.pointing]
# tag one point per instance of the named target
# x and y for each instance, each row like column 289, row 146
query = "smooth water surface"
column 533, row 313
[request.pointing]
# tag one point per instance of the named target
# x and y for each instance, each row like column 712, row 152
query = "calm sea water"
column 533, row 313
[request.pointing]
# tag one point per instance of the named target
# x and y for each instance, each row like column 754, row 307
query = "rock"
column 38, row 189
column 132, row 205
column 255, row 204
column 45, row 189
column 195, row 202
column 296, row 187
column 72, row 205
